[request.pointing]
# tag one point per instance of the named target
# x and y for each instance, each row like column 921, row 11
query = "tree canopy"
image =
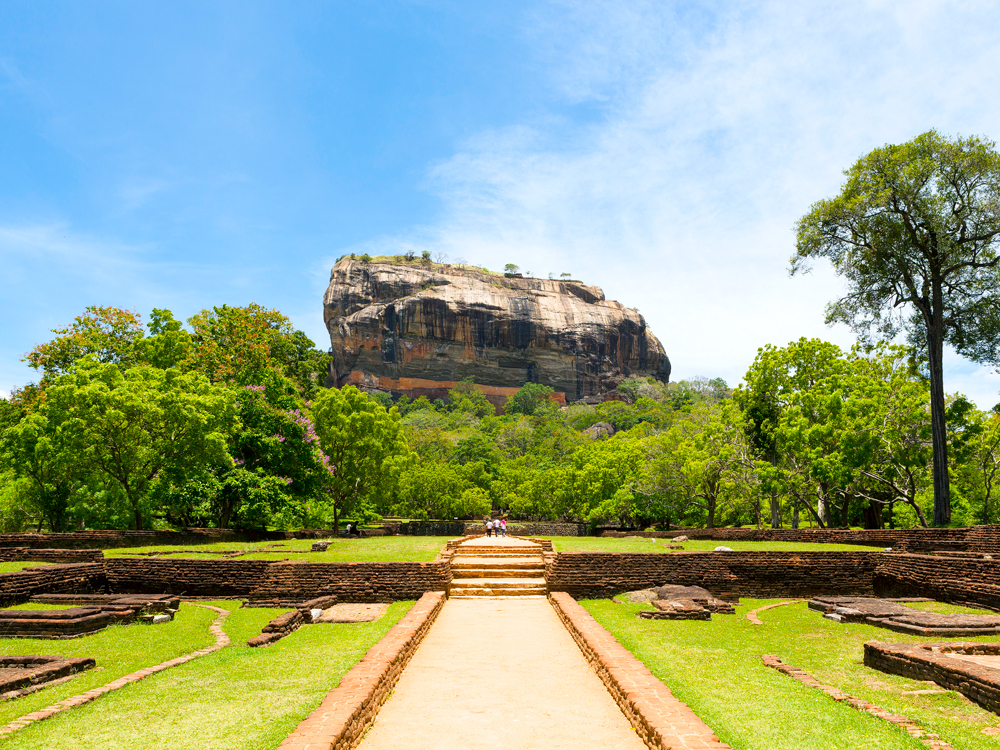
column 915, row 232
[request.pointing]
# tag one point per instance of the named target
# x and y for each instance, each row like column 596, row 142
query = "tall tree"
column 915, row 232
column 357, row 435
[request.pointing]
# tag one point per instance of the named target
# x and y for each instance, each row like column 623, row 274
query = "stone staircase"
column 497, row 571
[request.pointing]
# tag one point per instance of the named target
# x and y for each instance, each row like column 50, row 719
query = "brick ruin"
column 964, row 571
column 20, row 675
column 88, row 614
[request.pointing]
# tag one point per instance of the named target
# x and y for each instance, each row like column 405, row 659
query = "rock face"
column 418, row 328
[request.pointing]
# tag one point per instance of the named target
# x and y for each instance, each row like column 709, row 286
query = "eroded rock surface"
column 418, row 329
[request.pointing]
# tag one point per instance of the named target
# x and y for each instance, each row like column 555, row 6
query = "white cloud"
column 716, row 131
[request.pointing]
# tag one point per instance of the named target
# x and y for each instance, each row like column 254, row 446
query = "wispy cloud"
column 51, row 268
column 716, row 130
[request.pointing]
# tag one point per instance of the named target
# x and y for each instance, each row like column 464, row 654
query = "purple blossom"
column 305, row 423
column 255, row 388
column 238, row 461
column 281, row 438
column 287, row 480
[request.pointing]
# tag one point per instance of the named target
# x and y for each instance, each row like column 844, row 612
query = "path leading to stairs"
column 500, row 673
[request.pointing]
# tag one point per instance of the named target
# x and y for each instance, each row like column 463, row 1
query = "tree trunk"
column 710, row 503
column 795, row 517
column 821, row 510
column 775, row 511
column 939, row 431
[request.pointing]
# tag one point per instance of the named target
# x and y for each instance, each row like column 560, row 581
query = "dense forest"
column 226, row 422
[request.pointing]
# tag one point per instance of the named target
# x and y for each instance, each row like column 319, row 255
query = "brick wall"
column 963, row 580
column 927, row 661
column 531, row 528
column 727, row 575
column 347, row 711
column 974, row 539
column 12, row 554
column 188, row 577
column 109, row 538
column 79, row 578
column 913, row 540
column 297, row 581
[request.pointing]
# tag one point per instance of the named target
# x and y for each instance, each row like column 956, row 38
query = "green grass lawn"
column 118, row 649
column 234, row 698
column 715, row 668
column 374, row 549
column 13, row 567
column 638, row 544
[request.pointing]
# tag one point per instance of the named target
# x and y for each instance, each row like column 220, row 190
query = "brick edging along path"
column 661, row 721
column 221, row 641
column 341, row 719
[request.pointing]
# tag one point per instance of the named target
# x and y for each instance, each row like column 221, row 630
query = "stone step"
column 496, row 596
column 499, row 583
column 492, row 562
column 534, row 572
column 490, row 556
column 496, row 592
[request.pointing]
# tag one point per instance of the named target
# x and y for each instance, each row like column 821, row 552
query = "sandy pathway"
column 495, row 673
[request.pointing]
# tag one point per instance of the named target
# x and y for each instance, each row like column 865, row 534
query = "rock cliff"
column 418, row 328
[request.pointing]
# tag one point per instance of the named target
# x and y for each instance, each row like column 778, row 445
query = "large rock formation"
column 418, row 328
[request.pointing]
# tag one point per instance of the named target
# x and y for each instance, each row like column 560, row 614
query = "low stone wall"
column 225, row 578
column 347, row 711
column 727, row 575
column 297, row 581
column 13, row 554
column 660, row 720
column 945, row 578
column 78, row 578
column 929, row 661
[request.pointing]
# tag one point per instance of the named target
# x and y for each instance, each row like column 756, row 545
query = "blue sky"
column 185, row 155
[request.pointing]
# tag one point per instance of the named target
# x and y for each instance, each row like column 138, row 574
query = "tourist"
column 503, row 526
column 489, row 528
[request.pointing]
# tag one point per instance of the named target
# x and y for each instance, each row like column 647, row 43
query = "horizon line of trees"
column 225, row 423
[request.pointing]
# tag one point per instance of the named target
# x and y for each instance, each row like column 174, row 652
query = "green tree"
column 466, row 397
column 769, row 387
column 167, row 344
column 357, row 435
column 914, row 231
column 238, row 344
column 135, row 425
column 46, row 452
column 528, row 399
column 511, row 268
column 108, row 334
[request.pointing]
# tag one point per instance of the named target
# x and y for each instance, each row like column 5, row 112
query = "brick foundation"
column 19, row 672
column 340, row 721
column 79, row 578
column 661, row 721
column 930, row 661
column 727, row 575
